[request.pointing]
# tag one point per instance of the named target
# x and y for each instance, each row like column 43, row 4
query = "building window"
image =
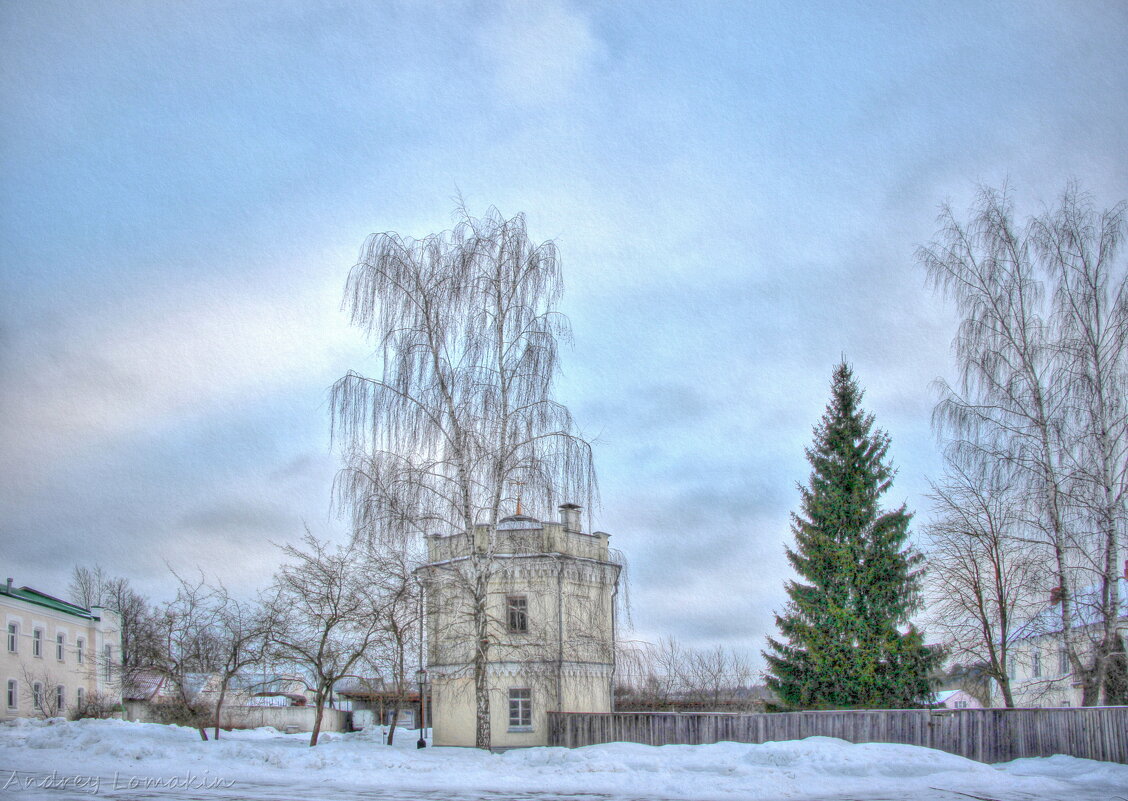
column 80, row 648
column 961, row 704
column 37, row 642
column 518, row 612
column 37, row 696
column 13, row 694
column 80, row 698
column 1063, row 662
column 13, row 637
column 60, row 646
column 1066, row 703
column 521, row 709
column 108, row 658
column 60, row 699
column 1036, row 668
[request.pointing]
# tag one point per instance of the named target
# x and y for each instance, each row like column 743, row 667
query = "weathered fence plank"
column 986, row 735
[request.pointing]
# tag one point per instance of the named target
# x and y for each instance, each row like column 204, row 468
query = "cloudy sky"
column 737, row 191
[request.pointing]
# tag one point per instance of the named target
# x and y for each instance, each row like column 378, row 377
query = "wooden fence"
column 986, row 735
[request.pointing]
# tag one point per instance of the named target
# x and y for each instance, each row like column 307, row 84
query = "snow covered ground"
column 113, row 759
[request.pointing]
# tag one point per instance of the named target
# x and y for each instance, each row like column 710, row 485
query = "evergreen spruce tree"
column 843, row 646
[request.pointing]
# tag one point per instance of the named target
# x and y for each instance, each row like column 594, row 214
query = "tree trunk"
column 201, row 724
column 481, row 666
column 317, row 718
column 219, row 708
column 1005, row 688
column 392, row 723
column 1116, row 677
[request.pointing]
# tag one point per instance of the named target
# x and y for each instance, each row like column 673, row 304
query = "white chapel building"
column 551, row 626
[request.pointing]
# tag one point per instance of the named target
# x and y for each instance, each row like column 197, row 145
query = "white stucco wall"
column 566, row 656
column 24, row 668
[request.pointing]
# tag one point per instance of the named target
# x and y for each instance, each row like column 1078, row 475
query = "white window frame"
column 107, row 668
column 13, row 638
column 520, row 709
column 37, row 643
column 80, row 698
column 13, row 694
column 517, row 614
column 61, row 647
column 60, row 699
column 1036, row 663
column 80, row 649
column 37, row 696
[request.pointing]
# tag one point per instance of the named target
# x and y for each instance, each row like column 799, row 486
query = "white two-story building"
column 57, row 657
column 1040, row 672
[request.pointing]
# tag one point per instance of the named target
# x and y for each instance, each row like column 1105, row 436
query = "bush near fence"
column 986, row 735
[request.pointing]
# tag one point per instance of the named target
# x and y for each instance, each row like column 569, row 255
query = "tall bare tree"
column 393, row 561
column 984, row 580
column 1041, row 396
column 189, row 650
column 87, row 585
column 717, row 674
column 327, row 613
column 241, row 630
column 140, row 643
column 1091, row 307
column 669, row 675
column 466, row 334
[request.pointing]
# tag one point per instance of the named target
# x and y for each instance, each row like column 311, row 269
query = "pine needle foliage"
column 842, row 643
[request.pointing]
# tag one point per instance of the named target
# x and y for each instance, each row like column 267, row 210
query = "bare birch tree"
column 1041, row 396
column 1091, row 306
column 983, row 581
column 466, row 336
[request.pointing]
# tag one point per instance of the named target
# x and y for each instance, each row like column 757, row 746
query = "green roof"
column 43, row 599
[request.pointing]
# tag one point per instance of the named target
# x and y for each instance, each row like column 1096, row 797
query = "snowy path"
column 62, row 760
column 36, row 787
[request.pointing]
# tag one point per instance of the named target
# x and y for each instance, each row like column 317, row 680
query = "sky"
column 737, row 192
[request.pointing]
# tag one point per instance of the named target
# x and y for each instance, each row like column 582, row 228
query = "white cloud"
column 538, row 52
column 154, row 360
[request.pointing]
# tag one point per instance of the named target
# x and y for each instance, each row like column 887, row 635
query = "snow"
column 91, row 757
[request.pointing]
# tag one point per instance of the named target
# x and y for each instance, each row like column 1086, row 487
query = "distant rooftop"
column 49, row 601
